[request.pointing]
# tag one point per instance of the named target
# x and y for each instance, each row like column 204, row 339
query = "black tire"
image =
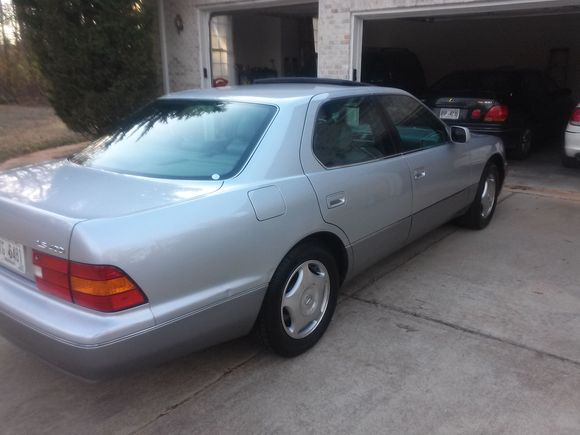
column 275, row 322
column 476, row 217
column 523, row 147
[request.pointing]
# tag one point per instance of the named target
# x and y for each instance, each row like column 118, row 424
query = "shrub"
column 96, row 57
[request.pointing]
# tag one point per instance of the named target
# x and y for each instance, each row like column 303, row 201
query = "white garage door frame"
column 480, row 7
column 204, row 15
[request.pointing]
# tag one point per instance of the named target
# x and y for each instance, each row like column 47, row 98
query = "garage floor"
column 461, row 332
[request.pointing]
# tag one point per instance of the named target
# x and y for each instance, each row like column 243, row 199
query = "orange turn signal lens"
column 101, row 288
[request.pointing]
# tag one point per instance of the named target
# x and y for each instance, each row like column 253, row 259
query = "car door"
column 440, row 169
column 362, row 183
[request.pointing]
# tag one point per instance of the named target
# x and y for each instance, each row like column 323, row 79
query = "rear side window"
column 350, row 131
column 189, row 139
column 416, row 125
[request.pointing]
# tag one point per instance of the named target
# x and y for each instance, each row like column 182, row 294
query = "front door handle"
column 336, row 200
column 419, row 173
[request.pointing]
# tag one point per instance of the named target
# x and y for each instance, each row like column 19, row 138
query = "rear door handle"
column 419, row 173
column 336, row 200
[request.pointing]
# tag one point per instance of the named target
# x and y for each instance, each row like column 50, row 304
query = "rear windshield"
column 199, row 140
column 475, row 81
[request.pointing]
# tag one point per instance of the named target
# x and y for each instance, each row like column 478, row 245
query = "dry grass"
column 26, row 129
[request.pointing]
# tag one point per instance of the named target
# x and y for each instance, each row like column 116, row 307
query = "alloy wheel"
column 305, row 299
column 488, row 195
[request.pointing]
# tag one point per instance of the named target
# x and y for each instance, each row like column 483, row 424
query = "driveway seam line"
column 467, row 330
column 564, row 195
column 168, row 410
column 506, row 197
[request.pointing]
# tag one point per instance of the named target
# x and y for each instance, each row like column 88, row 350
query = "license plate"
column 449, row 113
column 12, row 255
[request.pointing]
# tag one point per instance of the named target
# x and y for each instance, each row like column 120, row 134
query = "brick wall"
column 334, row 34
column 182, row 47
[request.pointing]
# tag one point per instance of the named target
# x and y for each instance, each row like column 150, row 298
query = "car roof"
column 277, row 93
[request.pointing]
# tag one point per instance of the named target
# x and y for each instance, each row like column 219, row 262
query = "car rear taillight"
column 52, row 275
column 497, row 114
column 476, row 114
column 575, row 118
column 102, row 288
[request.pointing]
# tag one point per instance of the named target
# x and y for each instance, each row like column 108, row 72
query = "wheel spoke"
column 291, row 299
column 300, row 322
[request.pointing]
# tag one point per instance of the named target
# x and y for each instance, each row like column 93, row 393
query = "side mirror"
column 460, row 134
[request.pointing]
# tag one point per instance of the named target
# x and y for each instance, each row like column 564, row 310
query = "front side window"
column 416, row 125
column 189, row 139
column 350, row 131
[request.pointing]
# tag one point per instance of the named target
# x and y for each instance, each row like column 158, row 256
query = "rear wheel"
column 479, row 214
column 524, row 145
column 300, row 300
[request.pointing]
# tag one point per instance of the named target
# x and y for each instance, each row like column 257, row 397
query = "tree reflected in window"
column 182, row 139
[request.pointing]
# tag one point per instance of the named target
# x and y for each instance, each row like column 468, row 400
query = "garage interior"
column 542, row 39
column 256, row 43
column 547, row 40
column 261, row 43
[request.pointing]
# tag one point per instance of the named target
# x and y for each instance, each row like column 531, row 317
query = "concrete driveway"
column 461, row 332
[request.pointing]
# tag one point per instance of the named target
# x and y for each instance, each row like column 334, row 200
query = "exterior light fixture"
column 178, row 21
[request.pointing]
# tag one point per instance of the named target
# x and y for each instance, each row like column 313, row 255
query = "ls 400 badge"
column 49, row 247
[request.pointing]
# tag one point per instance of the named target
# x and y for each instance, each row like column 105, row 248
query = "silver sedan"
column 211, row 213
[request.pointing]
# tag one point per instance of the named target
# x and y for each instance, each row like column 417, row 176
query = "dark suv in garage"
column 394, row 68
column 522, row 106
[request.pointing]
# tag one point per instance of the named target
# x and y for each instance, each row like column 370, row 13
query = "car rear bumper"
column 84, row 344
column 509, row 136
column 572, row 144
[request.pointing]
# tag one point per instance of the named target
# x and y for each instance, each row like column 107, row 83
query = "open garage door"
column 262, row 43
column 548, row 40
column 415, row 52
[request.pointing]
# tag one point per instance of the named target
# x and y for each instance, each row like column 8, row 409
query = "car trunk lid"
column 463, row 108
column 40, row 205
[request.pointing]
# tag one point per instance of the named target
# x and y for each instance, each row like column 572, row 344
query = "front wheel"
column 479, row 214
column 300, row 300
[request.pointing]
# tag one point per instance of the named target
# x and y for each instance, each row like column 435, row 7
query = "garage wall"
column 334, row 27
column 183, row 49
column 444, row 46
column 258, row 41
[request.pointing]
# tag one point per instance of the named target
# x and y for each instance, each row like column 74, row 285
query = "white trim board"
column 478, row 7
column 446, row 10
